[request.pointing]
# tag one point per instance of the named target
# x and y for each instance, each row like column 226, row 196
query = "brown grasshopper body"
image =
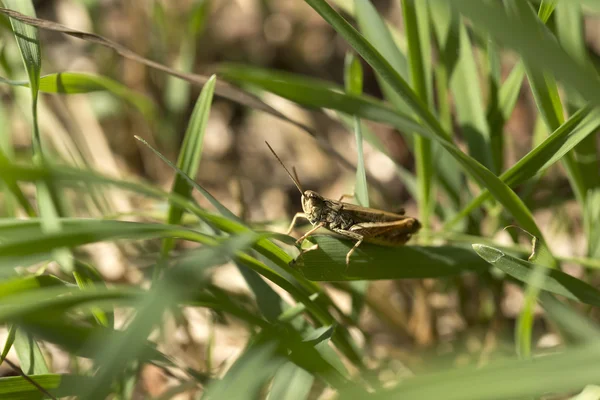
column 362, row 224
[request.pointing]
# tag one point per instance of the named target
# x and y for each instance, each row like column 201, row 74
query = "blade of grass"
column 570, row 31
column 291, row 383
column 556, row 281
column 77, row 82
column 419, row 82
column 375, row 29
column 59, row 385
column 466, row 89
column 189, row 158
column 353, row 78
column 222, row 89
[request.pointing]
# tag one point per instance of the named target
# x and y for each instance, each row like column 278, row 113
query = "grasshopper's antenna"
column 293, row 177
column 295, row 173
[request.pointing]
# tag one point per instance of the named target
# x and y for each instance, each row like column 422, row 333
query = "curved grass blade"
column 317, row 93
column 556, row 281
column 222, row 89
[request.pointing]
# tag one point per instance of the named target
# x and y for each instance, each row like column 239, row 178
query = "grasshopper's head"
column 312, row 205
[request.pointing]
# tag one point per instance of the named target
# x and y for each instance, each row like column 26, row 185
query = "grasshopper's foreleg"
column 298, row 215
column 352, row 235
column 307, row 234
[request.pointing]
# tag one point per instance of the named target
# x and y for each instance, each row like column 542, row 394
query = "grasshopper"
column 362, row 224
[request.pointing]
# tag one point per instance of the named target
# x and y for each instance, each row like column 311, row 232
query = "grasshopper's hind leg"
column 352, row 235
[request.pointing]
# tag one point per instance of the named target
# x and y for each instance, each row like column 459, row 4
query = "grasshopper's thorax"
column 313, row 205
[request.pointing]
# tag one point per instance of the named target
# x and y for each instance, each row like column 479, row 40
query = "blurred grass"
column 444, row 98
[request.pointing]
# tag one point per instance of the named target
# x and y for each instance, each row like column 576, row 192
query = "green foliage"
column 300, row 341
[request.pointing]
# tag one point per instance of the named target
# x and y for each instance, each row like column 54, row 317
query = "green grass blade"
column 353, row 78
column 77, row 82
column 328, row 261
column 376, row 31
column 419, row 77
column 318, row 94
column 88, row 278
column 556, row 281
column 48, row 199
column 59, row 385
column 11, row 187
column 470, row 110
column 576, row 327
column 30, row 355
column 189, row 156
column 445, row 28
column 291, row 383
column 571, row 33
column 545, row 91
column 248, row 374
column 31, row 239
column 592, row 228
column 509, row 91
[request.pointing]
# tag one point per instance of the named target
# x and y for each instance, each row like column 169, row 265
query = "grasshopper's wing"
column 367, row 214
column 394, row 233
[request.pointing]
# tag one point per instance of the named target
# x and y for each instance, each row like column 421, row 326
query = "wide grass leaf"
column 372, row 262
